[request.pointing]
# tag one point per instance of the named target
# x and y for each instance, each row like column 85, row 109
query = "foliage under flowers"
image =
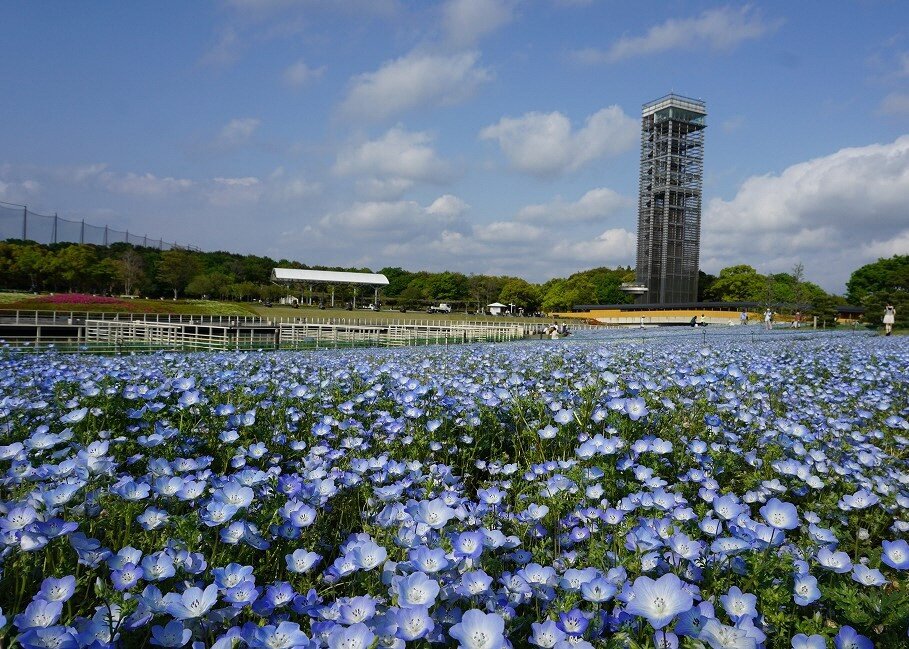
column 567, row 494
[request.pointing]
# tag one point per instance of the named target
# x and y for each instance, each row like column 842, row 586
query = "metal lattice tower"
column 669, row 206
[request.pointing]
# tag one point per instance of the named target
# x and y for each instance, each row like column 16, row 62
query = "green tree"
column 29, row 262
column 883, row 282
column 176, row 268
column 131, row 268
column 740, row 283
column 521, row 293
column 72, row 265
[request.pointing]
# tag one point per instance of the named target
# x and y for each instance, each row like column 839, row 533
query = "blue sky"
column 487, row 136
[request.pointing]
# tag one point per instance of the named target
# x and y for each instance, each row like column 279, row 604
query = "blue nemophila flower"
column 479, row 630
column 849, row 638
column 361, row 608
column 720, row 636
column 416, row 590
column 658, row 600
column 434, row 513
column 39, row 613
column 413, row 623
column 546, row 635
column 301, row 561
column 802, row 641
column 739, row 605
column 467, row 544
column 284, row 635
column 598, row 590
column 574, row 622
column 126, row 577
column 57, row 590
column 867, row 576
column 896, row 554
column 636, row 408
column 174, row 634
column 780, row 515
column 58, row 637
column 357, row 636
column 861, row 499
column 835, row 561
column 428, row 560
column 473, row 583
column 192, row 602
column 805, row 591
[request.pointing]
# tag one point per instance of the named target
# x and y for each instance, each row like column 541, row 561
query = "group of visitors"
column 556, row 331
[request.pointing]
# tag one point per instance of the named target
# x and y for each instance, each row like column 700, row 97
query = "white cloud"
column 395, row 221
column 466, row 21
column 508, row 232
column 895, row 103
column 237, row 131
column 596, row 205
column 447, row 207
column 733, row 124
column 299, row 74
column 397, row 159
column 614, row 247
column 412, row 81
column 718, row 29
column 829, row 213
column 148, row 185
column 226, row 49
column 543, row 144
column 903, row 70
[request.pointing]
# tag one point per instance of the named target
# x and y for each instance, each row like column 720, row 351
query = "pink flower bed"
column 77, row 298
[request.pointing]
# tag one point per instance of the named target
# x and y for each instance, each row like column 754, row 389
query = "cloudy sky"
column 487, row 136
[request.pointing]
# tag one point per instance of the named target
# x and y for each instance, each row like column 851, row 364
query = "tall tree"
column 176, row 268
column 132, row 267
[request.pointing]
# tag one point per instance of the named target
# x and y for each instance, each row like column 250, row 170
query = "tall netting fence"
column 19, row 222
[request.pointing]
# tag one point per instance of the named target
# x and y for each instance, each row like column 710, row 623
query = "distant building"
column 669, row 205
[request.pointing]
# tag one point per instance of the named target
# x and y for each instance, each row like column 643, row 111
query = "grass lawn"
column 58, row 302
column 389, row 314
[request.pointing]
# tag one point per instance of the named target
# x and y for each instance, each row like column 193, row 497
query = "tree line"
column 125, row 269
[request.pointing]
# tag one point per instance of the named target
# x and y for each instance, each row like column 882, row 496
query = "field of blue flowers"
column 599, row 492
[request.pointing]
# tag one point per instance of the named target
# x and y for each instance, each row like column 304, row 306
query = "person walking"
column 768, row 319
column 889, row 319
column 743, row 317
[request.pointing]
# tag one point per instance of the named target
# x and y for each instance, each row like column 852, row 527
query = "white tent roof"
column 498, row 304
column 327, row 277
